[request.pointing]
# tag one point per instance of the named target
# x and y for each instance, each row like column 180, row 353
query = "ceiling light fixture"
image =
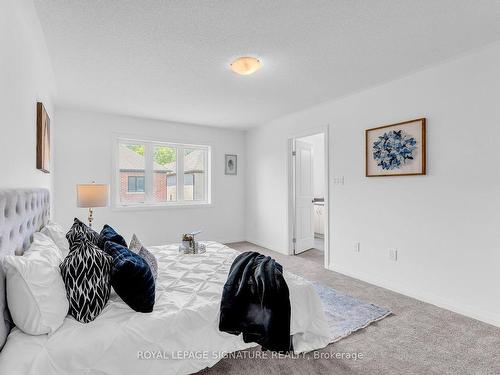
column 246, row 65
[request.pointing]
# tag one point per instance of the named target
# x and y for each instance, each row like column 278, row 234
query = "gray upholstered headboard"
column 22, row 213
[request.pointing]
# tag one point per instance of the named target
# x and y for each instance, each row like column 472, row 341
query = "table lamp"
column 91, row 196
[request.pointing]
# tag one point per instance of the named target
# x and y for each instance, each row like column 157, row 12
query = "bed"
column 180, row 336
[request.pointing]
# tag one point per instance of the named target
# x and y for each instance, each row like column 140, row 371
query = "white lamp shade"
column 92, row 195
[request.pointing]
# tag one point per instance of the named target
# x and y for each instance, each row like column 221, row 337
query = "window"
column 165, row 170
column 132, row 168
column 147, row 173
column 136, row 184
column 194, row 170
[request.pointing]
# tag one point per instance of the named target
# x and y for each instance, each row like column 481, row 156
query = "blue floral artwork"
column 394, row 149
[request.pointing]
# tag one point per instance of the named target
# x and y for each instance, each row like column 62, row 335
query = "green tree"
column 162, row 155
column 137, row 148
column 165, row 155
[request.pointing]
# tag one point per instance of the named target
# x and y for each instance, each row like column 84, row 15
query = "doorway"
column 308, row 190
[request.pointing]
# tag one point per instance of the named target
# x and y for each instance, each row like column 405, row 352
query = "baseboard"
column 484, row 316
column 228, row 241
column 270, row 247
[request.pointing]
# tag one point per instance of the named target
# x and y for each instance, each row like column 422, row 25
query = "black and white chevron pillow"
column 86, row 273
column 78, row 233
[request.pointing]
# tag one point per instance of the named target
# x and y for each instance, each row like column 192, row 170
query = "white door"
column 304, row 209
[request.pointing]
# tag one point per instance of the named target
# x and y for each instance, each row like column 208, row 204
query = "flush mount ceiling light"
column 245, row 65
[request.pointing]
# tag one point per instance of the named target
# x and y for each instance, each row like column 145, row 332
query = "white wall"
column 25, row 78
column 317, row 141
column 84, row 154
column 445, row 226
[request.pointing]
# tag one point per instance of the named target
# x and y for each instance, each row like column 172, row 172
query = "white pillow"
column 36, row 295
column 44, row 248
column 58, row 235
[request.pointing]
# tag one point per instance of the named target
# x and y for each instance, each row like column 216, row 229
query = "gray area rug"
column 418, row 339
column 346, row 314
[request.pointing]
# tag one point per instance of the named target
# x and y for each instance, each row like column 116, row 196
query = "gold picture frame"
column 42, row 138
column 396, row 150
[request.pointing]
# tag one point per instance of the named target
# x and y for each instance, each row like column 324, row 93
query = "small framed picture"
column 231, row 164
column 396, row 150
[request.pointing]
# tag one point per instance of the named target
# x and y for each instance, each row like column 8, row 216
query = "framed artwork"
column 42, row 139
column 396, row 150
column 231, row 164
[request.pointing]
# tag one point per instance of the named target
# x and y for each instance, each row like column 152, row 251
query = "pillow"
column 136, row 247
column 109, row 234
column 86, row 275
column 56, row 233
column 79, row 233
column 131, row 278
column 35, row 290
column 5, row 319
column 43, row 248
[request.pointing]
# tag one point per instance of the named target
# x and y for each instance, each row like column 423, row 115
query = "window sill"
column 160, row 206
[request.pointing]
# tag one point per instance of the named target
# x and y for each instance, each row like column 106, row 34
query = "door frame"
column 291, row 190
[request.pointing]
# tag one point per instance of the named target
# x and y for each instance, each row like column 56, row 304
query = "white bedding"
column 180, row 336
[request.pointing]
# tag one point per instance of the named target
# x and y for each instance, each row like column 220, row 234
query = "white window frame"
column 149, row 203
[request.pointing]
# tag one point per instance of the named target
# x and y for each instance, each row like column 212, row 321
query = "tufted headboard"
column 22, row 213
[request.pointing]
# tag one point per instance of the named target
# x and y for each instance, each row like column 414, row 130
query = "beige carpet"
column 419, row 339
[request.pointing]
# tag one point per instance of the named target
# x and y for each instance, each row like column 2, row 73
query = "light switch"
column 338, row 180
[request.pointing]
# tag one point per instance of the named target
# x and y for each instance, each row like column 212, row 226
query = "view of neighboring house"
column 132, row 177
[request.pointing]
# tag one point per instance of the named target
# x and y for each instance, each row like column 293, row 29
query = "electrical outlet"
column 393, row 255
column 356, row 247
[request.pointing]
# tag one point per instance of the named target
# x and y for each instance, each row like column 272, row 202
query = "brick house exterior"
column 159, row 186
column 164, row 178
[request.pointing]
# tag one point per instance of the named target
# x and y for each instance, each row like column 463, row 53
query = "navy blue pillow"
column 131, row 278
column 109, row 234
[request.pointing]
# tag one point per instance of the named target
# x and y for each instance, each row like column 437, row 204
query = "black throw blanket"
column 256, row 301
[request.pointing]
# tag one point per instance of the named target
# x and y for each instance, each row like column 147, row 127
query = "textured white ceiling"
column 169, row 59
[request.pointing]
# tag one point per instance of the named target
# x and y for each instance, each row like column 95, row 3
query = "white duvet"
column 180, row 336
